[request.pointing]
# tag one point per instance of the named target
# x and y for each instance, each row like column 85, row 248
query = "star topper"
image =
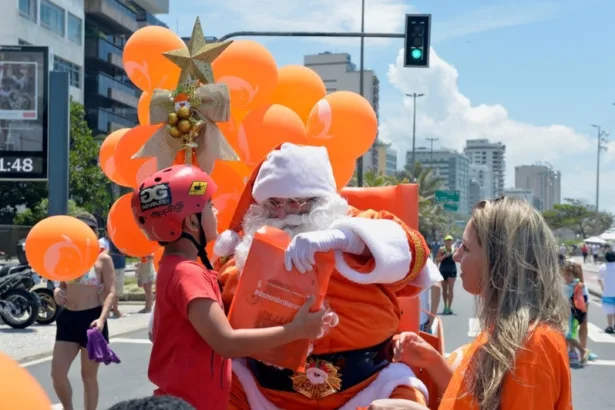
column 195, row 61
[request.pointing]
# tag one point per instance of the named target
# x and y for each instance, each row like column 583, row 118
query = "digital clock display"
column 21, row 166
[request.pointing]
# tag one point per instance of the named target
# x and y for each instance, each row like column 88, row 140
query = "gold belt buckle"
column 321, row 378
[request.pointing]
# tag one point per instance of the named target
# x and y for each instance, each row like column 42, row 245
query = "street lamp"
column 361, row 91
column 414, row 97
column 431, row 141
column 602, row 134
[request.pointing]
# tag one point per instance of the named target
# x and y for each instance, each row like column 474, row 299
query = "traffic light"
column 418, row 33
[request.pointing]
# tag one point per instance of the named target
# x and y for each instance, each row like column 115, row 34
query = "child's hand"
column 412, row 350
column 306, row 324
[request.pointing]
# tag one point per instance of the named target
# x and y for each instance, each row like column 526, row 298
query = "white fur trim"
column 429, row 275
column 388, row 244
column 391, row 377
column 295, row 171
column 226, row 243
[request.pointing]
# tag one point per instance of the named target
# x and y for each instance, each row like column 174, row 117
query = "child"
column 575, row 290
column 606, row 279
column 192, row 338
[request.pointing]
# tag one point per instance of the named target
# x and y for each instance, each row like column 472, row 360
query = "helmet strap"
column 200, row 244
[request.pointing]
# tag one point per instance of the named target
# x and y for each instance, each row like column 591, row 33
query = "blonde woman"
column 520, row 360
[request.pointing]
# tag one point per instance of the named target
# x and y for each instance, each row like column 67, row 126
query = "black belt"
column 355, row 367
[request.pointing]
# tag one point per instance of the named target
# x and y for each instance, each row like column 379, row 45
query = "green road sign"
column 447, row 196
column 451, row 206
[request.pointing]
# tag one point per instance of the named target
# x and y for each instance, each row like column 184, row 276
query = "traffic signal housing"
column 418, row 36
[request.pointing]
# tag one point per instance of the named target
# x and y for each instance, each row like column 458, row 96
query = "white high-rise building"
column 491, row 154
column 339, row 73
column 57, row 24
column 543, row 180
column 483, row 175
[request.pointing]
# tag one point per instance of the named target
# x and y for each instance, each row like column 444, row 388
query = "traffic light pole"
column 362, row 35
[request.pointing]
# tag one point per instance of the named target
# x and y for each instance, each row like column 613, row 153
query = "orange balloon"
column 18, row 388
column 299, row 88
column 106, row 156
column 143, row 108
column 61, row 248
column 344, row 122
column 133, row 171
column 250, row 72
column 231, row 178
column 124, row 231
column 343, row 170
column 144, row 63
column 265, row 128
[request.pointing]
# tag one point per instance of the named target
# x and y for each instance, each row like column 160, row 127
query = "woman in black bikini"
column 448, row 269
column 87, row 302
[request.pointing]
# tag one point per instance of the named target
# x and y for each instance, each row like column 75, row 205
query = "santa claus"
column 376, row 256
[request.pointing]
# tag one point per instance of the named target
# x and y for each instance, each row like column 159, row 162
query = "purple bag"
column 98, row 348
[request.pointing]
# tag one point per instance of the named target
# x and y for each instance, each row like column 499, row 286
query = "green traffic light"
column 417, row 54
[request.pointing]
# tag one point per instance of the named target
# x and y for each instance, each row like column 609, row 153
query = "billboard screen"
column 24, row 77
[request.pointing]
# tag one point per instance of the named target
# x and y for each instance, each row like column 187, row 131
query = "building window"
column 75, row 29
column 27, row 8
column 52, row 18
column 73, row 70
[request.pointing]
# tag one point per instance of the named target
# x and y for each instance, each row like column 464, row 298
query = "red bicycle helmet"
column 166, row 198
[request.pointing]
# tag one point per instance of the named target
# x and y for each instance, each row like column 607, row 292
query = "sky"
column 534, row 75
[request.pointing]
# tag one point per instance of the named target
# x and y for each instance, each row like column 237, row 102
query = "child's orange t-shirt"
column 540, row 379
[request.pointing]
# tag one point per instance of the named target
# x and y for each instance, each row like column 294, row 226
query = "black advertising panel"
column 24, row 78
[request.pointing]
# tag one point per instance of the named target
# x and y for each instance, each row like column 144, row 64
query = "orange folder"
column 268, row 295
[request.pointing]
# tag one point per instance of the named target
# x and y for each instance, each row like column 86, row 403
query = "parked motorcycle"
column 49, row 310
column 18, row 306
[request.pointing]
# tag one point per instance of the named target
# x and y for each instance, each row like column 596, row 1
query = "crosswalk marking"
column 594, row 333
column 133, row 341
column 597, row 335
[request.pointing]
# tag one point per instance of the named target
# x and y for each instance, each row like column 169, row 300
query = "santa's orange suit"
column 362, row 291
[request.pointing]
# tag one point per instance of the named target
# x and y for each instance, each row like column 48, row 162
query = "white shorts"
column 608, row 308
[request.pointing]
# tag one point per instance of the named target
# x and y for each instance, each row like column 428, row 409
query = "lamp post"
column 361, row 90
column 414, row 97
column 431, row 141
column 602, row 134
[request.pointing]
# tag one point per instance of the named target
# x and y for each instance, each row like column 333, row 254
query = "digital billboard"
column 24, row 77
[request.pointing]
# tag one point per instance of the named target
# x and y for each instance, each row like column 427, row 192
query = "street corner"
column 37, row 341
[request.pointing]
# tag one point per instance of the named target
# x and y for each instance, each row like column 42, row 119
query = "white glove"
column 302, row 248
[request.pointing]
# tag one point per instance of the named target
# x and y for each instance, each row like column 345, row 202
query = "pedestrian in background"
column 606, row 279
column 119, row 264
column 145, row 280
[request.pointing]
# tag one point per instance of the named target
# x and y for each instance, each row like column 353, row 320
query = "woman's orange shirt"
column 540, row 379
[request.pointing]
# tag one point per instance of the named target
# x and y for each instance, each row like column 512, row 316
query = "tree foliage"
column 88, row 186
column 579, row 217
column 31, row 216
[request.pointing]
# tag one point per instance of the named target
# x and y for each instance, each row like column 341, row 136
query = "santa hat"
column 289, row 171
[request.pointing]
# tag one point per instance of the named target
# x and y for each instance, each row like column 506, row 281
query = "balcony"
column 113, row 15
column 146, row 19
column 102, row 50
column 117, row 91
column 154, row 6
column 106, row 121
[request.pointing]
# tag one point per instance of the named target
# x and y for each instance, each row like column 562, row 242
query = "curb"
column 594, row 292
column 48, row 353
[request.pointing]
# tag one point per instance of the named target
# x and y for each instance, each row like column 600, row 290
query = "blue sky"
column 534, row 75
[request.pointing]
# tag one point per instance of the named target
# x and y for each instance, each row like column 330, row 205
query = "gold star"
column 195, row 61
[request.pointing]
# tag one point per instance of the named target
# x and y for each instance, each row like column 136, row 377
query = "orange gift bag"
column 268, row 295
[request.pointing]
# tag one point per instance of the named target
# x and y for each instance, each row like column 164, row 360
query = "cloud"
column 446, row 113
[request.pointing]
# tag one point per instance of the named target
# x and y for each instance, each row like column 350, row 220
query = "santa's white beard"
column 323, row 213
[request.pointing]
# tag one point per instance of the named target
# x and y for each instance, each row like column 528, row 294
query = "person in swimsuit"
column 448, row 269
column 87, row 302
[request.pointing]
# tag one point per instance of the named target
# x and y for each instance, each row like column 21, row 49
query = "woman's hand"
column 99, row 324
column 412, row 350
column 59, row 295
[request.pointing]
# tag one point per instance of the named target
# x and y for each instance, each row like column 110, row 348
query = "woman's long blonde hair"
column 521, row 287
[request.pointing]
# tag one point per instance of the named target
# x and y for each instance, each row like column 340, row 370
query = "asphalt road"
column 129, row 379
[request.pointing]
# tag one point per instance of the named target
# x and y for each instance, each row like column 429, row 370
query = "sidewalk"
column 590, row 273
column 37, row 341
